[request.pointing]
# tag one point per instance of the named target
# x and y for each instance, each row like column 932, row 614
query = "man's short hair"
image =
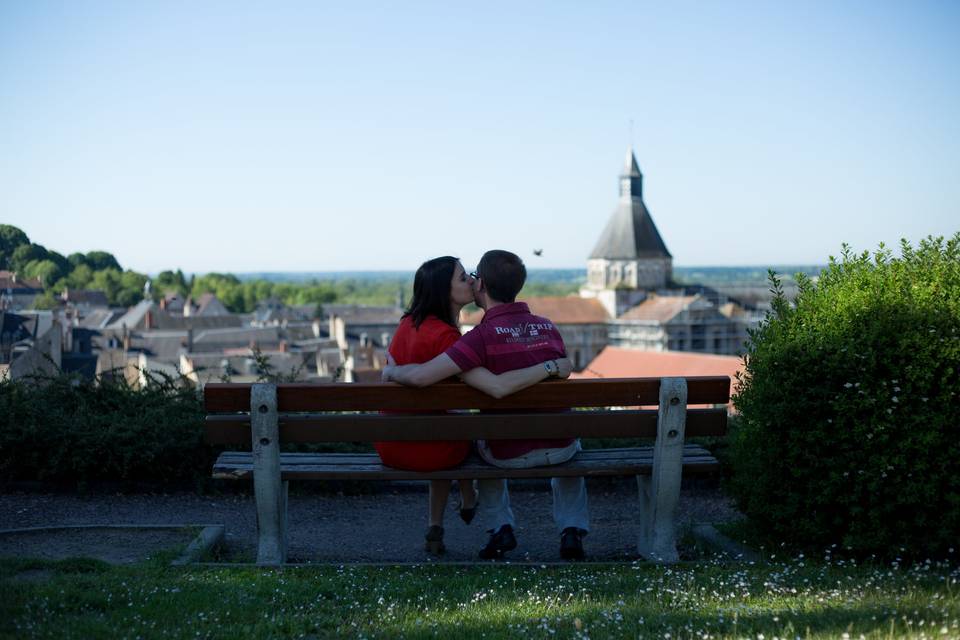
column 503, row 274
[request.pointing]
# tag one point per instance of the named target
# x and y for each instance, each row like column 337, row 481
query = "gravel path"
column 383, row 527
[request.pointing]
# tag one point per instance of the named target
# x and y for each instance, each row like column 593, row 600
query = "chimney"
column 148, row 320
column 283, row 346
column 338, row 331
column 316, row 328
column 126, row 339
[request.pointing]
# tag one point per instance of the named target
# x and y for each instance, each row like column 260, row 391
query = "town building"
column 630, row 272
column 16, row 293
column 630, row 299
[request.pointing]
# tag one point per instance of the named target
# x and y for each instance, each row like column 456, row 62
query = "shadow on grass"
column 600, row 601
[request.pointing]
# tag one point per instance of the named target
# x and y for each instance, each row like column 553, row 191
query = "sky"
column 312, row 136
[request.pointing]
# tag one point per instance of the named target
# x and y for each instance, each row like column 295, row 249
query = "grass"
column 787, row 599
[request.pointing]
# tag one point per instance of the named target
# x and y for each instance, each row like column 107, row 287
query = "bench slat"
column 364, row 457
column 622, row 392
column 591, row 463
column 235, row 429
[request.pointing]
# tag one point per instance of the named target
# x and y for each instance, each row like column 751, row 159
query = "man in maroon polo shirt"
column 509, row 338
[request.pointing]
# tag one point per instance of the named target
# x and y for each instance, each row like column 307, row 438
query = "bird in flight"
column 538, row 252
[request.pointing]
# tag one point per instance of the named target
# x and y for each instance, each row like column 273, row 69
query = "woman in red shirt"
column 441, row 288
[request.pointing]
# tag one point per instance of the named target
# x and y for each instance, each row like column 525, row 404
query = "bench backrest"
column 536, row 412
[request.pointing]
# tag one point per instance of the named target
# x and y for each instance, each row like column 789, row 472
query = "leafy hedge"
column 65, row 431
column 850, row 414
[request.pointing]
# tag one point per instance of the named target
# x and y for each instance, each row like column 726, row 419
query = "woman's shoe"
column 434, row 540
column 467, row 513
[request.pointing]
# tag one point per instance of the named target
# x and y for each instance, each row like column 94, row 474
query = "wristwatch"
column 553, row 369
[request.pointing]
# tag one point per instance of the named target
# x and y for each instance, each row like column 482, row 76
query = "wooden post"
column 270, row 492
column 660, row 491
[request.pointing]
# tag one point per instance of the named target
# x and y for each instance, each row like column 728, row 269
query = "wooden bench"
column 269, row 415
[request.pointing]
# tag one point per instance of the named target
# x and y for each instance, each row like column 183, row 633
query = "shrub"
column 849, row 406
column 66, row 431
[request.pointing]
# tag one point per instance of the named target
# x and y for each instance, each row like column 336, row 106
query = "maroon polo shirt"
column 510, row 337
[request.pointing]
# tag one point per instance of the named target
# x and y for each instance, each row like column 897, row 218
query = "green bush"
column 850, row 416
column 65, row 431
column 69, row 433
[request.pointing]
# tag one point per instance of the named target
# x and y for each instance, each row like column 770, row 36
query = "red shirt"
column 510, row 337
column 412, row 345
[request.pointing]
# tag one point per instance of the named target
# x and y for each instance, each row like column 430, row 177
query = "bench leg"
column 660, row 492
column 270, row 491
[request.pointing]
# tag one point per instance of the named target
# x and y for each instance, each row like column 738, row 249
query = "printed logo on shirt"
column 529, row 328
column 526, row 332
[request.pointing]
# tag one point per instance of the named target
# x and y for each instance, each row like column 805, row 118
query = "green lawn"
column 795, row 598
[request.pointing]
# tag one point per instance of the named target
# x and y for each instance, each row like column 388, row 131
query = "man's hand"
column 565, row 367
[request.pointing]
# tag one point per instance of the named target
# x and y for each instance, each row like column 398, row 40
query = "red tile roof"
column 568, row 309
column 618, row 362
column 560, row 309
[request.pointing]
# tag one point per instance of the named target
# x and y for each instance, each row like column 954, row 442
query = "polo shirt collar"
column 506, row 309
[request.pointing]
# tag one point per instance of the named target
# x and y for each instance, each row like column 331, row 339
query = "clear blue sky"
column 238, row 136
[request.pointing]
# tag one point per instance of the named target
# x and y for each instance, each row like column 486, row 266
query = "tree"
column 167, row 281
column 10, row 238
column 47, row 271
column 80, row 277
column 62, row 263
column 100, row 260
column 25, row 254
column 46, row 301
column 108, row 281
column 131, row 288
column 77, row 259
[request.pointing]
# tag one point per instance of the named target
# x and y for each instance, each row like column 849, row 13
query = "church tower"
column 630, row 257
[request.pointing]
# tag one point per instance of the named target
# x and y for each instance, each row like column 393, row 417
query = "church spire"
column 630, row 233
column 631, row 180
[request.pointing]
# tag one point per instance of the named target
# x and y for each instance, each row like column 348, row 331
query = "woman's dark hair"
column 431, row 291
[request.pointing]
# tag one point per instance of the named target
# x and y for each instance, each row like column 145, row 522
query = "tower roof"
column 630, row 166
column 630, row 233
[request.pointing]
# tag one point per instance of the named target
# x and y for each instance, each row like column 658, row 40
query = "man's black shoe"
column 500, row 542
column 571, row 544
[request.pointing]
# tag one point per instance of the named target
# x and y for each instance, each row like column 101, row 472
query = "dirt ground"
column 116, row 546
column 387, row 526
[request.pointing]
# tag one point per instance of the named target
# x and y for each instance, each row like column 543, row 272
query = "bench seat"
column 636, row 461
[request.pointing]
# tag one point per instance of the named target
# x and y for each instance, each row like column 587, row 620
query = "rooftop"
column 658, row 308
column 618, row 362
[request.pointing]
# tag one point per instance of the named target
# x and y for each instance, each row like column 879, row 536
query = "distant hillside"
column 710, row 276
column 537, row 275
column 741, row 276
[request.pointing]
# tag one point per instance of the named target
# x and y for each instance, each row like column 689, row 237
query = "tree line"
column 100, row 270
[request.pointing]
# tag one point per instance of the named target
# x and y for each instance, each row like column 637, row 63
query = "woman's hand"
column 565, row 367
column 388, row 369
